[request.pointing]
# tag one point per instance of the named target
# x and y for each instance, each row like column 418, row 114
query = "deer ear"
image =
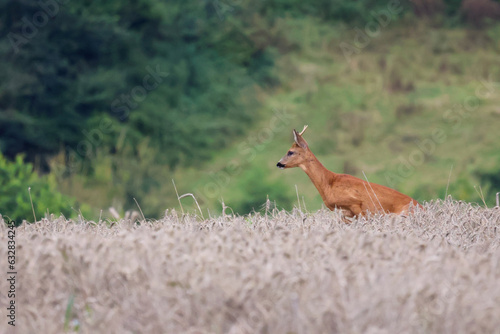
column 299, row 140
column 295, row 136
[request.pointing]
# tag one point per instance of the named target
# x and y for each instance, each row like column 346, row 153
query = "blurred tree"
column 91, row 59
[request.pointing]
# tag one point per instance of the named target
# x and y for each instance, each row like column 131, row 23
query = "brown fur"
column 346, row 192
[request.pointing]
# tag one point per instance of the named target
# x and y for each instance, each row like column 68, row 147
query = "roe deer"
column 346, row 192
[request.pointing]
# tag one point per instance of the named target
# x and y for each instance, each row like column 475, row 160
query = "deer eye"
column 290, row 153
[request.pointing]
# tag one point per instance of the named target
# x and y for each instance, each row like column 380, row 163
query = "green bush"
column 15, row 179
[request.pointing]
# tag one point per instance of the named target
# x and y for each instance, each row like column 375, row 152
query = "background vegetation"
column 110, row 102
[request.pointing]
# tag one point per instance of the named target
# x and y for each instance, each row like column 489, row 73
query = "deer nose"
column 280, row 165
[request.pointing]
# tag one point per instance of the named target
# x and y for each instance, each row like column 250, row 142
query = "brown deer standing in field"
column 346, row 192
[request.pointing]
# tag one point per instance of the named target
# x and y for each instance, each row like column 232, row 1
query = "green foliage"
column 80, row 89
column 359, row 11
column 488, row 174
column 452, row 7
column 257, row 185
column 93, row 61
column 102, row 79
column 15, row 179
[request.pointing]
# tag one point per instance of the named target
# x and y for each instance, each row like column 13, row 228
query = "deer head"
column 298, row 154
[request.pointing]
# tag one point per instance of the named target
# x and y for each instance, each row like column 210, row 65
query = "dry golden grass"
column 437, row 271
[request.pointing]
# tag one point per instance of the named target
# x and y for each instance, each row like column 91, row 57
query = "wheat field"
column 437, row 271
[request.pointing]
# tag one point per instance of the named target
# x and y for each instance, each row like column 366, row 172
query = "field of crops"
column 437, row 271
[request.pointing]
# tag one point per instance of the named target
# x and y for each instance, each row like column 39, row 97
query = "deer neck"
column 321, row 177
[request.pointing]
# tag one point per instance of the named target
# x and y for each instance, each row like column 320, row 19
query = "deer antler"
column 303, row 130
